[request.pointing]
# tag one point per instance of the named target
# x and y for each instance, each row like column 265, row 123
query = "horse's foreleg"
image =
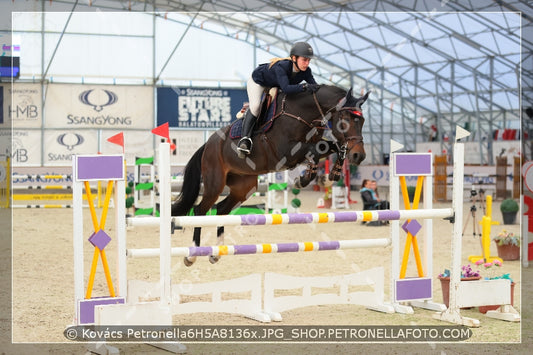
column 336, row 171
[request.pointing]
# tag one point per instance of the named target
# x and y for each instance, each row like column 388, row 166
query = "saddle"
column 265, row 118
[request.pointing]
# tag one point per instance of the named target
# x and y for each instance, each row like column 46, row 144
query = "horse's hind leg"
column 240, row 189
column 207, row 202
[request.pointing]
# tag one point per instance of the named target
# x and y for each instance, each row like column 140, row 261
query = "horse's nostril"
column 358, row 157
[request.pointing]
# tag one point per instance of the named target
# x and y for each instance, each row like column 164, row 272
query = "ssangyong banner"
column 60, row 145
column 198, row 107
column 99, row 106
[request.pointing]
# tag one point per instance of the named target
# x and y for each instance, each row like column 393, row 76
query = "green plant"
column 507, row 238
column 509, row 205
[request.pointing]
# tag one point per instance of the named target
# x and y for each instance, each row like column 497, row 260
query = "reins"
column 321, row 123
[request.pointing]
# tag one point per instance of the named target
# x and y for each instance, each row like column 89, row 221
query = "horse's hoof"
column 187, row 262
column 297, row 184
column 325, row 181
column 214, row 259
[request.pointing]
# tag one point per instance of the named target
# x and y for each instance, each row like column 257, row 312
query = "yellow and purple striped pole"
column 262, row 248
column 294, row 218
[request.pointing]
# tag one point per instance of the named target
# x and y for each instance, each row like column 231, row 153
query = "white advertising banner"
column 187, row 142
column 26, row 148
column 25, row 109
column 60, row 145
column 136, row 144
column 510, row 149
column 99, row 106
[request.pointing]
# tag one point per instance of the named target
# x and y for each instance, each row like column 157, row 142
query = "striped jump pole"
column 294, row 218
column 261, row 248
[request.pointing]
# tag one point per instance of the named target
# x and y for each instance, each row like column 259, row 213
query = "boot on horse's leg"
column 245, row 144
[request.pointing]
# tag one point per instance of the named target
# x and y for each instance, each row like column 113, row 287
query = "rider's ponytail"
column 275, row 60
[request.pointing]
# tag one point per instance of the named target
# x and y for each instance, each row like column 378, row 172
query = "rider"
column 285, row 73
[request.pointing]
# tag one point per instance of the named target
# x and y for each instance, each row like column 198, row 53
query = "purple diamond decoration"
column 100, row 239
column 412, row 227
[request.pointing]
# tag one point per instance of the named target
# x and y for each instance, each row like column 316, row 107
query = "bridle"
column 358, row 139
column 321, row 122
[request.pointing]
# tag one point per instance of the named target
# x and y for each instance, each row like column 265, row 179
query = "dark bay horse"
column 295, row 137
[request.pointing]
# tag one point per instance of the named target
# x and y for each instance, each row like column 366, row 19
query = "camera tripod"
column 475, row 197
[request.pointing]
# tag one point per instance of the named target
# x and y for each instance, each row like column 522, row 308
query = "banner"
column 1, row 105
column 59, row 146
column 187, row 143
column 25, row 109
column 198, row 107
column 26, row 148
column 506, row 148
column 99, row 106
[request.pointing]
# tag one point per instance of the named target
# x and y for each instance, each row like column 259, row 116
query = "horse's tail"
column 191, row 185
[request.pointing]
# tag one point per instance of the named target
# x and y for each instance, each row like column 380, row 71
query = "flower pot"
column 509, row 217
column 327, row 203
column 445, row 286
column 485, row 309
column 508, row 252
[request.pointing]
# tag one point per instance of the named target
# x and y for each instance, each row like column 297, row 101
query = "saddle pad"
column 264, row 123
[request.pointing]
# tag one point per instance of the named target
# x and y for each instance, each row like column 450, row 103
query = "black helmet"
column 302, row 49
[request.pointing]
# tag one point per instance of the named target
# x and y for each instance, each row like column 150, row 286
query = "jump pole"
column 293, row 218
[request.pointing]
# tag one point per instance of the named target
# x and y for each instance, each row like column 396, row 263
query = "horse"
column 295, row 137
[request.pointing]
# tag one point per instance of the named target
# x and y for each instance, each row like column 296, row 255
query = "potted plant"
column 467, row 274
column 509, row 208
column 491, row 267
column 508, row 245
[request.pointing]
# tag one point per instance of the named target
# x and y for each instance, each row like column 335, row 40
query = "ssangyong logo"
column 98, row 106
column 70, row 140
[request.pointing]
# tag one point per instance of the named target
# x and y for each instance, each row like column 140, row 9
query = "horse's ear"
column 349, row 93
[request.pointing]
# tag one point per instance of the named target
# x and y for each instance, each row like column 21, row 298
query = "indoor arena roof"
column 461, row 62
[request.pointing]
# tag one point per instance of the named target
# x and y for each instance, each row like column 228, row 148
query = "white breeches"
column 255, row 91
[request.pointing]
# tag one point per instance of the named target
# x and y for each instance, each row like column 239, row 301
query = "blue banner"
column 198, row 107
column 1, row 105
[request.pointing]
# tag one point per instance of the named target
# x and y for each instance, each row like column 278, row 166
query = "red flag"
column 162, row 131
column 117, row 139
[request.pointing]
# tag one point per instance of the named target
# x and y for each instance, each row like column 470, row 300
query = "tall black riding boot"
column 245, row 143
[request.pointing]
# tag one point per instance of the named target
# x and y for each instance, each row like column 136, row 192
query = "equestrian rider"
column 285, row 73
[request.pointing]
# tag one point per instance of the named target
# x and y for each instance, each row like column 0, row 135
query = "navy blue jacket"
column 281, row 75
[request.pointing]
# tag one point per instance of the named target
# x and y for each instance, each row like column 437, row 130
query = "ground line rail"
column 294, row 218
column 271, row 248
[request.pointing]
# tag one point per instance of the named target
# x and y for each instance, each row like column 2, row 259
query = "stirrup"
column 245, row 145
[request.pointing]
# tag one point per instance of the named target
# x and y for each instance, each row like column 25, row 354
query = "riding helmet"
column 302, row 49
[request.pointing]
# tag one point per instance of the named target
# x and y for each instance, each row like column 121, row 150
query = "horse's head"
column 347, row 127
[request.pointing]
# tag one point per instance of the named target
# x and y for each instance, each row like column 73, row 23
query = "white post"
column 165, row 228
column 457, row 205
column 77, row 201
column 120, row 235
column 394, row 198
